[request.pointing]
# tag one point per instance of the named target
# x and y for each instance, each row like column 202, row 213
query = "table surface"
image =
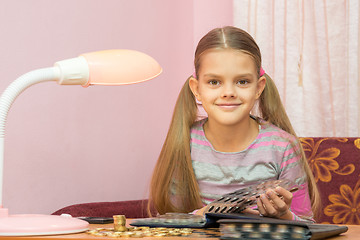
column 204, row 234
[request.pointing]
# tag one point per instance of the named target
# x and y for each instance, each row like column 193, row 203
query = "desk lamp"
column 109, row 67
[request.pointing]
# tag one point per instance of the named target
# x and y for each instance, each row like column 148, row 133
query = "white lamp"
column 109, row 67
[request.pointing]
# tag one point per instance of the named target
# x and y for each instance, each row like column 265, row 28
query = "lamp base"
column 36, row 224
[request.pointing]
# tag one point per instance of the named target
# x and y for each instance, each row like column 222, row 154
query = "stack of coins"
column 119, row 223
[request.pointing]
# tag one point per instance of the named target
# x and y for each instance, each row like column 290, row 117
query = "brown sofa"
column 335, row 163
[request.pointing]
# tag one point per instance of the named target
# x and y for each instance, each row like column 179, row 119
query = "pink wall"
column 209, row 14
column 66, row 144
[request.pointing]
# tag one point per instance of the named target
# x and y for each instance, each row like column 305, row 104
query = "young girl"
column 230, row 149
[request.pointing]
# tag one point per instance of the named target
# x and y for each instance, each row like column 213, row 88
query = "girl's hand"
column 275, row 203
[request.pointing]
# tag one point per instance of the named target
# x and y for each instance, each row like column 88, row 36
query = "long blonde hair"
column 173, row 172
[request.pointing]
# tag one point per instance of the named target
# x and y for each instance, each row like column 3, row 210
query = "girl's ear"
column 194, row 86
column 260, row 86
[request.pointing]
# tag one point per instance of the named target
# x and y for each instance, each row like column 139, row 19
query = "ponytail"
column 271, row 107
column 272, row 110
column 173, row 170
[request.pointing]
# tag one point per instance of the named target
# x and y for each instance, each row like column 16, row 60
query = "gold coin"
column 299, row 230
column 148, row 233
column 127, row 234
column 160, row 228
column 247, row 227
column 99, row 229
column 137, row 235
column 160, row 235
column 117, row 233
column 99, row 234
column 282, row 228
column 265, row 227
column 113, row 235
column 186, row 230
column 106, row 232
column 255, row 235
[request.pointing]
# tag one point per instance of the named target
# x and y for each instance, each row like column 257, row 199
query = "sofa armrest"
column 131, row 209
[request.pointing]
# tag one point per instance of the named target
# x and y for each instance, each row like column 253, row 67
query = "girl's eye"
column 242, row 82
column 214, row 82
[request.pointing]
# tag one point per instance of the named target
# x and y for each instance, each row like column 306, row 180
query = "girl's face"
column 228, row 86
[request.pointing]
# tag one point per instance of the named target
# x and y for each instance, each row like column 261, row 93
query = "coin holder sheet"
column 237, row 201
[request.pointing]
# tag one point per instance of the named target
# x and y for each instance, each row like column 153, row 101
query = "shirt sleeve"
column 291, row 169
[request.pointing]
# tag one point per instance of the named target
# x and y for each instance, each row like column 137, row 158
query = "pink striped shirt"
column 272, row 155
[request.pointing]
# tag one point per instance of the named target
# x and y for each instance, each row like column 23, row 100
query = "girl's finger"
column 268, row 206
column 286, row 195
column 261, row 208
column 251, row 211
column 277, row 202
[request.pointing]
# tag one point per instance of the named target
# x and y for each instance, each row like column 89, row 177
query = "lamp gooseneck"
column 9, row 96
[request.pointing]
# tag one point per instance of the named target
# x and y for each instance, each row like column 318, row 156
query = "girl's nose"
column 228, row 91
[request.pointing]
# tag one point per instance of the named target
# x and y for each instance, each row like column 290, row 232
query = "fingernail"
column 269, row 193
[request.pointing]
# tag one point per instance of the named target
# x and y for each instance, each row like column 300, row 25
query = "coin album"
column 245, row 226
column 226, row 212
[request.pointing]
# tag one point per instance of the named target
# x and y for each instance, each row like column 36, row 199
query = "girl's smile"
column 228, row 106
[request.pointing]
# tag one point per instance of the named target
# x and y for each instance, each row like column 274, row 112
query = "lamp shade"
column 120, row 66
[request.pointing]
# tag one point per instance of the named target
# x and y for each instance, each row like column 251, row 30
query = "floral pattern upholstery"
column 335, row 163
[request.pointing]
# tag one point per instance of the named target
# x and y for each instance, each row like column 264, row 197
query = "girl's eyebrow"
column 249, row 75
column 211, row 75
